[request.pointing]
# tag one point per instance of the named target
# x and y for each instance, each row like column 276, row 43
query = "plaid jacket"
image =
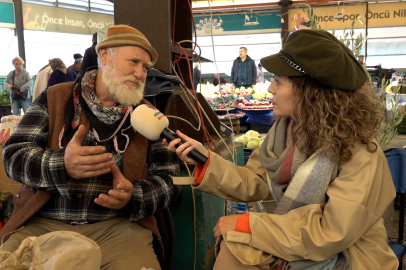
column 27, row 161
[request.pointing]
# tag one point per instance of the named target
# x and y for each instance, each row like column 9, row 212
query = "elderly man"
column 83, row 166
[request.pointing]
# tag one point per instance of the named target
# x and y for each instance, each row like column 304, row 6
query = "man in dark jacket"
column 90, row 58
column 244, row 71
column 76, row 67
column 196, row 76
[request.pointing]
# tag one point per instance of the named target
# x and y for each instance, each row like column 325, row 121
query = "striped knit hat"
column 124, row 35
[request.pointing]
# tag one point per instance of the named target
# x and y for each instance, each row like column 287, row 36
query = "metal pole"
column 18, row 14
column 366, row 34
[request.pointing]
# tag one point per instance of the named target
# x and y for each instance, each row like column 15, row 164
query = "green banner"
column 51, row 19
column 7, row 15
column 246, row 23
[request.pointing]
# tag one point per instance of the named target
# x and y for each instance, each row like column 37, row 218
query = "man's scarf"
column 296, row 180
column 107, row 123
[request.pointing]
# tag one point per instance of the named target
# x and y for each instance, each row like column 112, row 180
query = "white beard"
column 118, row 90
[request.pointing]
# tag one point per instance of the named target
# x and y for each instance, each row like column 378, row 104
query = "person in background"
column 41, row 81
column 60, row 73
column 260, row 74
column 76, row 67
column 83, row 167
column 216, row 80
column 90, row 58
column 361, row 59
column 196, row 76
column 321, row 163
column 244, row 71
column 19, row 82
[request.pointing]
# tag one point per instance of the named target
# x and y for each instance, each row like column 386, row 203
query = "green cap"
column 320, row 55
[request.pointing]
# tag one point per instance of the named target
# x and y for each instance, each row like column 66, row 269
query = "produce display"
column 216, row 102
column 244, row 104
column 257, row 98
column 242, row 92
column 251, row 139
column 231, row 115
column 261, row 92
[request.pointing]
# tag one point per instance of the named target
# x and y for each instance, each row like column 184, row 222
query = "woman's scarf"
column 57, row 64
column 296, row 180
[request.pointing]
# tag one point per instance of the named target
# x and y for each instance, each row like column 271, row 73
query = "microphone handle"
column 196, row 155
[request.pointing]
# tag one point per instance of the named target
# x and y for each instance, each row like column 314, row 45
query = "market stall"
column 252, row 106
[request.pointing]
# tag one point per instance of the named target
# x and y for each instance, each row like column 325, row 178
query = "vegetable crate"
column 235, row 122
column 260, row 128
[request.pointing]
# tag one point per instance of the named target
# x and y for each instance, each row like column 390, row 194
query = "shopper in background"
column 321, row 163
column 244, row 71
column 41, row 81
column 60, row 73
column 19, row 82
column 216, row 80
column 90, row 58
column 361, row 59
column 77, row 65
column 260, row 74
column 196, row 76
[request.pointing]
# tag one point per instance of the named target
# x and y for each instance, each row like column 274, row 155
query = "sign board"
column 52, row 19
column 237, row 24
column 7, row 15
column 339, row 17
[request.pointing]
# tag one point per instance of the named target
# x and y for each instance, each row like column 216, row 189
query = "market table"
column 259, row 117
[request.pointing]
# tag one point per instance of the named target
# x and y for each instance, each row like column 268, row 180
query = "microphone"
column 153, row 124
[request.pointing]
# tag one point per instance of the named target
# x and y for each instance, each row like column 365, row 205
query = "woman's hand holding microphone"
column 185, row 148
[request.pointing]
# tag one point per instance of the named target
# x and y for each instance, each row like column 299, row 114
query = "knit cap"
column 124, row 35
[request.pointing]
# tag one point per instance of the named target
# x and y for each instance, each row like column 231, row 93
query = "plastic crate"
column 247, row 154
column 260, row 128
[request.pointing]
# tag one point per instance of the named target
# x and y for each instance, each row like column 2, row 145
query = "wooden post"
column 285, row 25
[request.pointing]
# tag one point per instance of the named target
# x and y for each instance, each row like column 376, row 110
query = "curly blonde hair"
column 334, row 120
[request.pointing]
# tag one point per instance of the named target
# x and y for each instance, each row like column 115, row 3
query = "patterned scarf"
column 108, row 115
column 296, row 180
column 108, row 123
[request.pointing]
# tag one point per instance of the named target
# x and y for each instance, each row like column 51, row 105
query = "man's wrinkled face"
column 125, row 73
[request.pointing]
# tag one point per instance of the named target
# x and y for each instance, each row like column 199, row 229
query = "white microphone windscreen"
column 148, row 121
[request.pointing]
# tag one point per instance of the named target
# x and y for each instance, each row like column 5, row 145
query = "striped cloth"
column 296, row 180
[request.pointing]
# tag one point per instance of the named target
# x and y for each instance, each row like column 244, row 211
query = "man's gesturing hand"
column 121, row 193
column 85, row 161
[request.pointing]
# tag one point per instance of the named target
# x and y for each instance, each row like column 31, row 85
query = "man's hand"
column 121, row 193
column 10, row 86
column 22, row 90
column 225, row 224
column 253, row 86
column 85, row 161
column 232, row 85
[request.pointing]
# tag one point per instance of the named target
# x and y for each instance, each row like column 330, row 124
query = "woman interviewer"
column 321, row 163
column 19, row 82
